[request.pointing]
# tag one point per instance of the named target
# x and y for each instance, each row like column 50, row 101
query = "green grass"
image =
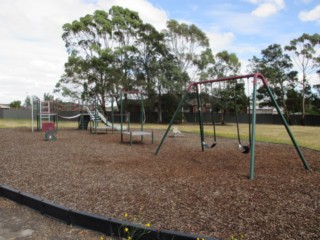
column 305, row 136
column 16, row 123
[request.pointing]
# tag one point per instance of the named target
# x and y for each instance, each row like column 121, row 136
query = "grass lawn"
column 306, row 136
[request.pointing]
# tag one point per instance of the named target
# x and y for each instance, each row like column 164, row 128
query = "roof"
column 4, row 106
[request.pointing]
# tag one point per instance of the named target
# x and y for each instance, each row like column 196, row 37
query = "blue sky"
column 32, row 53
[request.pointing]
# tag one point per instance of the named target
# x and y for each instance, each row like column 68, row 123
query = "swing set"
column 242, row 148
column 252, row 118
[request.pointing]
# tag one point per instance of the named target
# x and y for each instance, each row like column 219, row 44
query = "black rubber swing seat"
column 213, row 145
column 207, row 146
column 244, row 149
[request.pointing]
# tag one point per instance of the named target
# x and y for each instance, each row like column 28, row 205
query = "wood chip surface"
column 181, row 189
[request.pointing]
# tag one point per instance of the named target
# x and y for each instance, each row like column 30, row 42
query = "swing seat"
column 205, row 145
column 213, row 145
column 244, row 149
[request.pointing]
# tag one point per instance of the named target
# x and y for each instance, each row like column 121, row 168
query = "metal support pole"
column 49, row 112
column 32, row 128
column 112, row 116
column 82, row 116
column 172, row 120
column 200, row 117
column 40, row 116
column 128, row 119
column 56, row 116
column 121, row 112
column 253, row 128
column 284, row 121
column 142, row 115
column 95, row 116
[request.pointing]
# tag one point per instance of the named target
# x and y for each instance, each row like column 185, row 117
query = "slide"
column 104, row 120
column 109, row 124
column 92, row 116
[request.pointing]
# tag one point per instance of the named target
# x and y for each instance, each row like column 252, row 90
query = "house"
column 4, row 106
column 206, row 105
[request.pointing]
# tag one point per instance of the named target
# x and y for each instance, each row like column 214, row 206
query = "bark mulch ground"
column 181, row 189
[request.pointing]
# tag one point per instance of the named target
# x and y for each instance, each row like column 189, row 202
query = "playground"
column 182, row 188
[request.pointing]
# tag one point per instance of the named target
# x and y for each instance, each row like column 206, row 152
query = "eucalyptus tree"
column 305, row 50
column 157, row 72
column 186, row 43
column 227, row 65
column 102, row 54
column 206, row 64
column 277, row 67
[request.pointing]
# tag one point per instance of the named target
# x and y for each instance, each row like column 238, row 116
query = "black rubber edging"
column 108, row 226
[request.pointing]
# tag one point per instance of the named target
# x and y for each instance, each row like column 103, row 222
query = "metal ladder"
column 44, row 112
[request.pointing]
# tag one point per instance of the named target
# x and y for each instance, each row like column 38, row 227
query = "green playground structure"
column 129, row 132
column 251, row 148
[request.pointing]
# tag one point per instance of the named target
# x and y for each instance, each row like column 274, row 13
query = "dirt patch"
column 20, row 222
column 181, row 189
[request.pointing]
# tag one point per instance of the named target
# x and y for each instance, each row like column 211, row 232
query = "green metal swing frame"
column 256, row 77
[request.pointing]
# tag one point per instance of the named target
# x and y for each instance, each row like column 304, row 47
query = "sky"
column 33, row 54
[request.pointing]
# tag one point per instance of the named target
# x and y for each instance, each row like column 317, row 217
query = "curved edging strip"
column 107, row 226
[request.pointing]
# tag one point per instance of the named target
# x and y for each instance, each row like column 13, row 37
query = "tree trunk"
column 159, row 108
column 159, row 113
column 223, row 116
column 303, row 99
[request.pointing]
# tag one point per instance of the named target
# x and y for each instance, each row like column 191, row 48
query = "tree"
column 27, row 102
column 48, row 97
column 15, row 104
column 186, row 43
column 206, row 65
column 277, row 68
column 168, row 82
column 153, row 53
column 102, row 54
column 293, row 100
column 226, row 65
column 305, row 50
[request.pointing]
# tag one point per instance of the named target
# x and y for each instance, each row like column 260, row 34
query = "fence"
column 310, row 120
column 15, row 113
column 151, row 117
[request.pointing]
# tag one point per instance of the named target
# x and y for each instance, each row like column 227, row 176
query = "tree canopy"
column 277, row 67
column 111, row 51
column 116, row 50
column 305, row 50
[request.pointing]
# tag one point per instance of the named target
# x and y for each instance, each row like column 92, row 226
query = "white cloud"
column 241, row 22
column 32, row 53
column 220, row 41
column 267, row 8
column 312, row 15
